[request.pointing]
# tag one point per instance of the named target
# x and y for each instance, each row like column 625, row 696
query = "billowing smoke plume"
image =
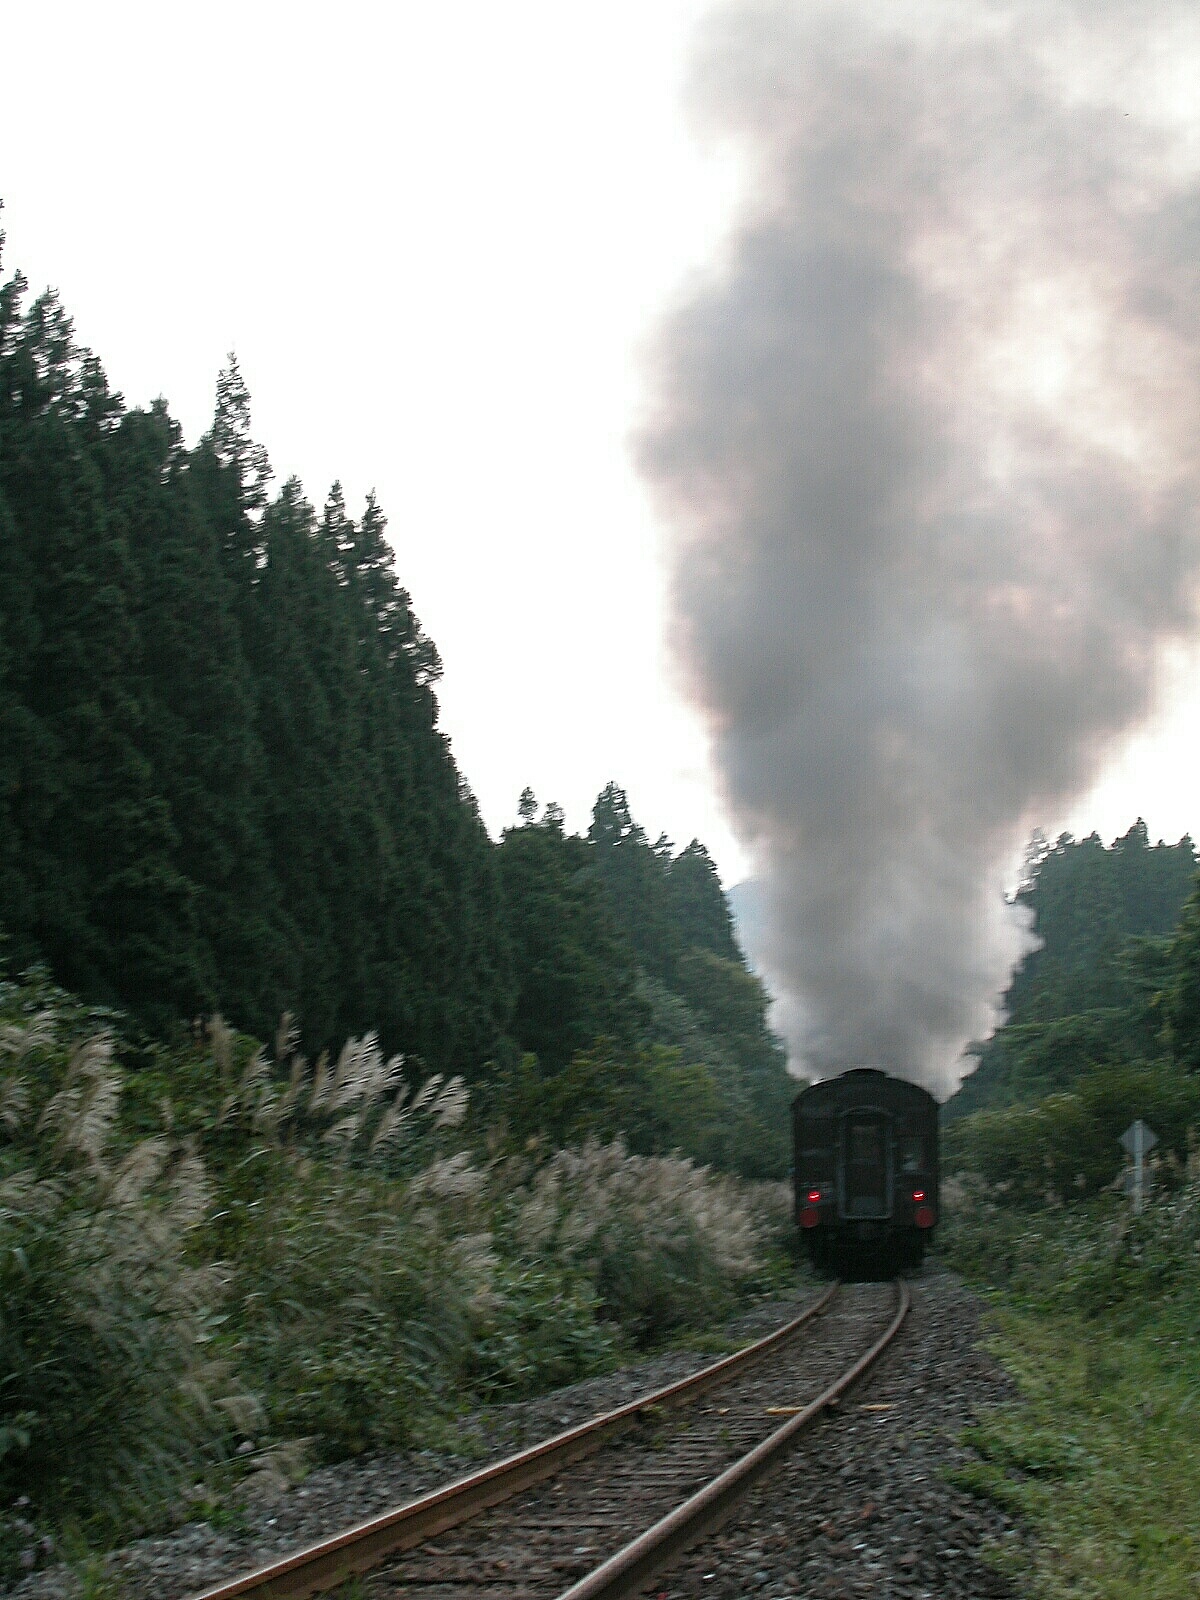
column 927, row 446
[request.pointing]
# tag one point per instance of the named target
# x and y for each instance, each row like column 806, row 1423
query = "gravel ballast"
column 861, row 1507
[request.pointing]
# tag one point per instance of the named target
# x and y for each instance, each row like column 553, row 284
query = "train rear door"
column 866, row 1165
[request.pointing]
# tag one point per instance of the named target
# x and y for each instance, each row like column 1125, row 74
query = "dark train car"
column 865, row 1152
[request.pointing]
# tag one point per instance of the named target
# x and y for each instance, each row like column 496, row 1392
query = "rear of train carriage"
column 865, row 1169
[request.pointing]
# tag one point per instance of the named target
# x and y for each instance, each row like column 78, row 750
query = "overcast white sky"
column 436, row 237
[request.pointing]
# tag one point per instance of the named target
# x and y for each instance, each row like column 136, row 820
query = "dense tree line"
column 1110, row 984
column 633, row 997
column 223, row 788
column 223, row 783
column 1103, row 1027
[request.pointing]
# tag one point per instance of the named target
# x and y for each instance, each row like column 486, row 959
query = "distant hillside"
column 1088, row 996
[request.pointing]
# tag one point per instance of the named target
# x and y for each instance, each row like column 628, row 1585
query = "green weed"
column 1096, row 1317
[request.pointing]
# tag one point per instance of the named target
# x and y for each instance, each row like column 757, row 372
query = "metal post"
column 1138, row 1140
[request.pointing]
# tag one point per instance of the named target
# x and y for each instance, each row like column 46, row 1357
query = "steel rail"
column 324, row 1566
column 631, row 1569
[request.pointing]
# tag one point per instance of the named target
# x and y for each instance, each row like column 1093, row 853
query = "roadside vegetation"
column 220, row 1259
column 1096, row 1306
column 1097, row 1319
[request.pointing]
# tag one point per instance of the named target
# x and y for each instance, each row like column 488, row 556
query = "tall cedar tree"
column 1181, row 998
column 576, row 972
column 90, row 838
column 199, row 730
column 635, row 877
column 444, row 978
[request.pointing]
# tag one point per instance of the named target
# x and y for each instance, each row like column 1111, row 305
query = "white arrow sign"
column 1139, row 1138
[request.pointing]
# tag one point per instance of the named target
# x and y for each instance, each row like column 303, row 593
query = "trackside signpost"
column 1138, row 1140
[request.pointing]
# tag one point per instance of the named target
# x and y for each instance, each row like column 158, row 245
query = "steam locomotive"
column 865, row 1169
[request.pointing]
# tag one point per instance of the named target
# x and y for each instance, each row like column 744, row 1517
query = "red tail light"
column 814, row 1197
column 918, row 1194
column 809, row 1217
column 923, row 1217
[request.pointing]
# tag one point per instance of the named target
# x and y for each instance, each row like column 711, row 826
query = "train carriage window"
column 910, row 1153
column 866, row 1174
column 866, row 1144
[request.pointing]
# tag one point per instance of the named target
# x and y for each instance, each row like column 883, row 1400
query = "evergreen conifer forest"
column 223, row 790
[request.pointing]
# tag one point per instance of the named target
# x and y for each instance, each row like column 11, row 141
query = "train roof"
column 857, row 1080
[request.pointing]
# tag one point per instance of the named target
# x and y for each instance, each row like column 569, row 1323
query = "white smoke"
column 927, row 446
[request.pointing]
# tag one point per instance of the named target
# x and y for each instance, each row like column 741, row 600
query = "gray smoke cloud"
column 926, row 445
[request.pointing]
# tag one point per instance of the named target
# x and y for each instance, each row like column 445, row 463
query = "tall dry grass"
column 111, row 1398
column 664, row 1242
column 349, row 1273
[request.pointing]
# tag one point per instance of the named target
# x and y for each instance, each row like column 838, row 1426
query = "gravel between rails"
column 860, row 1508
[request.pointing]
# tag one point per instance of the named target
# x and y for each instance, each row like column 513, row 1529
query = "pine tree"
column 100, row 896
column 698, row 908
column 576, row 974
column 199, row 731
column 635, row 877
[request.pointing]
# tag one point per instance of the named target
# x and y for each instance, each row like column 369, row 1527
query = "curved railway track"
column 597, row 1511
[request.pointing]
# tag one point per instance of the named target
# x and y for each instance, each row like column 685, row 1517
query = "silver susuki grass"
column 660, row 1238
column 361, row 1104
column 110, row 1395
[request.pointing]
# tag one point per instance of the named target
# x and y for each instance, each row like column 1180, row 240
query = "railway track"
column 595, row 1512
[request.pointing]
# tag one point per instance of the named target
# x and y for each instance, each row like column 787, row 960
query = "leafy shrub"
column 355, row 1301
column 1051, row 1150
column 1091, row 1258
column 1067, row 1145
column 543, row 1330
